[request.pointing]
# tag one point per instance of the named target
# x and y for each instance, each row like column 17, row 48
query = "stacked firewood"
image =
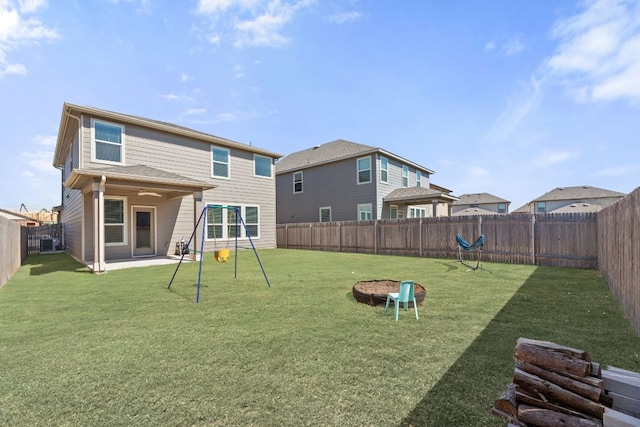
column 553, row 385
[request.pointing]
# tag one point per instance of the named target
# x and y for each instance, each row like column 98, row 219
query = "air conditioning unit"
column 48, row 244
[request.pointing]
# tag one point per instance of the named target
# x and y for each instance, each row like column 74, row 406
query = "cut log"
column 557, row 393
column 527, row 399
column 552, row 360
column 585, row 390
column 580, row 354
column 548, row 418
column 507, row 401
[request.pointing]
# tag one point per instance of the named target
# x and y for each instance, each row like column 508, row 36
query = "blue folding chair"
column 404, row 296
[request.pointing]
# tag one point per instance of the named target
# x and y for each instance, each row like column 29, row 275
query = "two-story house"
column 571, row 199
column 134, row 187
column 480, row 204
column 343, row 180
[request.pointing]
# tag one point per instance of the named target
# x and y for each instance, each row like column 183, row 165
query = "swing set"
column 220, row 255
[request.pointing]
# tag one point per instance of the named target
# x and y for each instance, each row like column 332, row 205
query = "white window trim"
column 125, row 236
column 320, row 213
column 270, row 166
column 301, row 182
column 391, row 208
column 225, row 225
column 358, row 171
column 405, row 175
column 385, row 170
column 418, row 178
column 93, row 143
column 368, row 207
column 228, row 162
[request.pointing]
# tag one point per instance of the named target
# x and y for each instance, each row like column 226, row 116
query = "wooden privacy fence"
column 619, row 253
column 13, row 248
column 564, row 240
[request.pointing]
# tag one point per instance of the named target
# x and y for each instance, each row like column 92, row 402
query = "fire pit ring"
column 374, row 292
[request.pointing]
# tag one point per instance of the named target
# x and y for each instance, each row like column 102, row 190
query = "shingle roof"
column 577, row 193
column 332, row 152
column 474, row 211
column 479, row 198
column 417, row 195
column 578, row 208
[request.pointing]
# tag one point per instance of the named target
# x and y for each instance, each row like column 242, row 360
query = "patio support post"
column 99, row 264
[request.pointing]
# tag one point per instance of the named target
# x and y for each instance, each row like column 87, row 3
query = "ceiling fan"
column 148, row 193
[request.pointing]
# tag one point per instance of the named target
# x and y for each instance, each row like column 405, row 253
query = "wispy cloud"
column 551, row 157
column 617, row 171
column 519, row 105
column 599, row 51
column 39, row 156
column 17, row 29
column 255, row 23
column 346, row 17
column 507, row 48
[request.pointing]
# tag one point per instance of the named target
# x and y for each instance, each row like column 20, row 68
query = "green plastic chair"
column 404, row 296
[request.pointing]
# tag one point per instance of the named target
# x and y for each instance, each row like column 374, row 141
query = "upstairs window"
column 384, row 170
column 541, row 207
column 405, row 176
column 418, row 179
column 107, row 144
column 364, row 170
column 219, row 162
column 297, row 182
column 502, row 208
column 262, row 166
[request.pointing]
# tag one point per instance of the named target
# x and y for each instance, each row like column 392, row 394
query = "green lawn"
column 120, row 349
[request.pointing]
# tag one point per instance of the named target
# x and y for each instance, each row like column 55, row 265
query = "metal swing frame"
column 465, row 246
column 240, row 220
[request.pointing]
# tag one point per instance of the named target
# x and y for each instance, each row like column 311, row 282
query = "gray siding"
column 333, row 185
column 189, row 158
column 394, row 178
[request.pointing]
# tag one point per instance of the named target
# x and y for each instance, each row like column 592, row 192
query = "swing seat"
column 222, row 255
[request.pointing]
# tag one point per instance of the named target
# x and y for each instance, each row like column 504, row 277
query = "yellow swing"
column 221, row 255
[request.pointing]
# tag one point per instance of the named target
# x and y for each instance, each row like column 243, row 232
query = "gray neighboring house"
column 480, row 204
column 134, row 187
column 343, row 180
column 571, row 200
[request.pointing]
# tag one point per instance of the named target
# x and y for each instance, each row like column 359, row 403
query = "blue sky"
column 513, row 98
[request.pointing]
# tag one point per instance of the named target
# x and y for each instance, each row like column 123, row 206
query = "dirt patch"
column 374, row 292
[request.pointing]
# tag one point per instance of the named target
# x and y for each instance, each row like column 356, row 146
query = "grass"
column 120, row 349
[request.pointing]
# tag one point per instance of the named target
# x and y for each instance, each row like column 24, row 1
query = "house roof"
column 474, row 211
column 334, row 151
column 418, row 195
column 582, row 192
column 479, row 199
column 140, row 177
column 71, row 112
column 579, row 208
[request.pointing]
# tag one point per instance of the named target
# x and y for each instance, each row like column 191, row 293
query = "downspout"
column 99, row 265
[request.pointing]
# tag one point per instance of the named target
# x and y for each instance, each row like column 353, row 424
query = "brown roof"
column 474, row 211
column 332, row 152
column 582, row 192
column 417, row 195
column 479, row 199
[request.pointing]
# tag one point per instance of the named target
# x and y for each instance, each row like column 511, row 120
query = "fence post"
column 533, row 238
column 286, row 236
column 310, row 236
column 375, row 236
column 480, row 225
column 420, row 234
column 340, row 237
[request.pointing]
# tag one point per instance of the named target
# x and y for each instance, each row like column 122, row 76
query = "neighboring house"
column 24, row 220
column 571, row 199
column 342, row 180
column 134, row 187
column 480, row 204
